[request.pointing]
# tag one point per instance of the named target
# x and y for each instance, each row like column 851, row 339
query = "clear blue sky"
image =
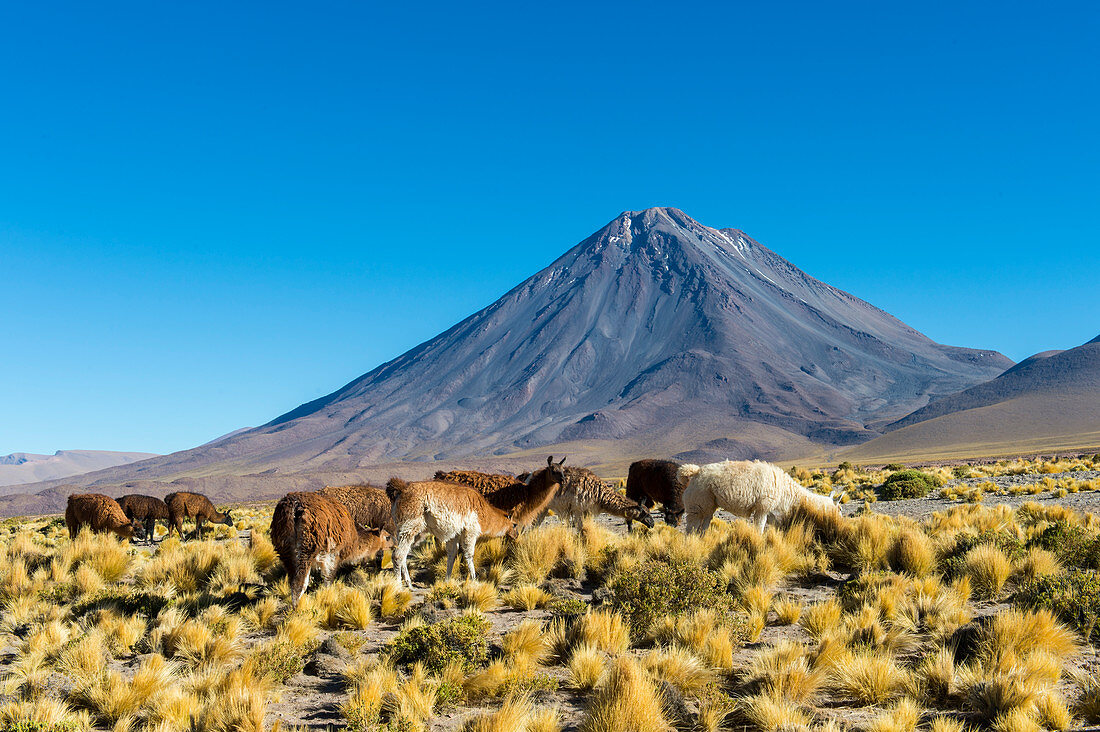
column 212, row 212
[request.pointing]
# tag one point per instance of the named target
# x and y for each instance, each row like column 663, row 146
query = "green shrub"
column 894, row 466
column 1074, row 596
column 460, row 639
column 29, row 725
column 277, row 661
column 1074, row 545
column 908, row 484
column 567, row 606
column 663, row 587
column 951, row 561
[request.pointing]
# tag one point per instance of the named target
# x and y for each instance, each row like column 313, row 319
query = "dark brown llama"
column 143, row 512
column 196, row 506
column 654, row 481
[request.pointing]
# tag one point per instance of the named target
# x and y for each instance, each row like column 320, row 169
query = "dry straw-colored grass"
column 881, row 648
column 627, row 701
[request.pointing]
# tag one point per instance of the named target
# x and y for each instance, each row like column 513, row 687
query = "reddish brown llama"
column 311, row 531
column 98, row 512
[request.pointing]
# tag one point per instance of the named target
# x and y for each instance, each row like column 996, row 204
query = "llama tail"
column 686, row 472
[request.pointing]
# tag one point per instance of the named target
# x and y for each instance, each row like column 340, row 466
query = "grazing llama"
column 143, row 511
column 752, row 490
column 311, row 531
column 654, row 481
column 584, row 494
column 456, row 515
column 196, row 506
column 98, row 512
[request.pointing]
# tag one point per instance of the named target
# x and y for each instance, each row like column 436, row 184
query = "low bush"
column 952, row 562
column 662, row 587
column 459, row 640
column 908, row 484
column 1073, row 544
column 1073, row 596
column 277, row 661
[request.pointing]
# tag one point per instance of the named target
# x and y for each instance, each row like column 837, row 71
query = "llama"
column 312, row 531
column 183, row 505
column 752, row 490
column 98, row 512
column 528, row 499
column 368, row 506
column 584, row 494
column 455, row 514
column 654, row 481
column 484, row 483
column 144, row 511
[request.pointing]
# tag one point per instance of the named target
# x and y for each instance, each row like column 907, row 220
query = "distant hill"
column 1050, row 401
column 656, row 336
column 25, row 467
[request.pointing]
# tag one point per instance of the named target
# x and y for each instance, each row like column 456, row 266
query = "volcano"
column 656, row 335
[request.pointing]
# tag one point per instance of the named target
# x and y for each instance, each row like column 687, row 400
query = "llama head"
column 557, row 473
column 639, row 514
column 373, row 540
column 513, row 530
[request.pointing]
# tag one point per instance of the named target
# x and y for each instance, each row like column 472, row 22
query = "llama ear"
column 562, row 461
column 549, row 460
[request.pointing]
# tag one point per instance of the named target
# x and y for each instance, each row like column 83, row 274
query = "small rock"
column 673, row 702
column 333, row 647
column 966, row 639
column 327, row 664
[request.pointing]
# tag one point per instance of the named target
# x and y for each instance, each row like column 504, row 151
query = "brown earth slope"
column 1049, row 402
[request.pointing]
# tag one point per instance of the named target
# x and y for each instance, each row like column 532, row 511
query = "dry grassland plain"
column 941, row 612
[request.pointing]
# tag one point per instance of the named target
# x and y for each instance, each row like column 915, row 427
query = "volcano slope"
column 655, row 336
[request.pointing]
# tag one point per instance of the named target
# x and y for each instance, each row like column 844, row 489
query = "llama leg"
column 401, row 559
column 452, row 554
column 701, row 506
column 760, row 519
column 469, row 541
column 699, row 520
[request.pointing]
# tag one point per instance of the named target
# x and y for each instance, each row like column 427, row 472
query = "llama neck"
column 542, row 492
column 493, row 521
